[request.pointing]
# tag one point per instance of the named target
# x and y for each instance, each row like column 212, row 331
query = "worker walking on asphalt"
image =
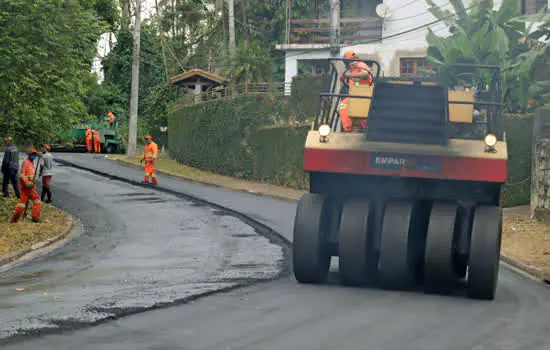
column 89, row 138
column 10, row 167
column 359, row 74
column 97, row 141
column 150, row 153
column 28, row 189
column 46, row 172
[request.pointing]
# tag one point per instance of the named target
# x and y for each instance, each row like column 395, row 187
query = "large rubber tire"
column 310, row 253
column 357, row 263
column 396, row 262
column 484, row 253
column 439, row 268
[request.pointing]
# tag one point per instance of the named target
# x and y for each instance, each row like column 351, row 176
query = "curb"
column 537, row 273
column 213, row 184
column 22, row 253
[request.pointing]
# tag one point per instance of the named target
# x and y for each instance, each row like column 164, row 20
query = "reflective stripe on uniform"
column 20, row 205
column 38, row 201
column 150, row 155
column 342, row 106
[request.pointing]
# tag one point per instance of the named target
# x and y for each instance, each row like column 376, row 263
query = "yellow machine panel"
column 461, row 113
column 359, row 107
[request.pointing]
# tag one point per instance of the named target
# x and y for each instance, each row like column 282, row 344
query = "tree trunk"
column 162, row 41
column 132, row 132
column 540, row 173
column 231, row 25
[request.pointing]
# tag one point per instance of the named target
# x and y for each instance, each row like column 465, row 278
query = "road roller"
column 410, row 198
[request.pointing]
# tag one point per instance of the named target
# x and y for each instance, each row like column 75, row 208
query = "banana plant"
column 484, row 35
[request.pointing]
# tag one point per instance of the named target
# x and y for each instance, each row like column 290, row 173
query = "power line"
column 375, row 40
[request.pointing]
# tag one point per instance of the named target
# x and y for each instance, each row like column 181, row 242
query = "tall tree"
column 46, row 52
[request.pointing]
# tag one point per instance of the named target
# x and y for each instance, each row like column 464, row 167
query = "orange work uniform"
column 89, row 140
column 150, row 153
column 28, row 192
column 343, row 107
column 97, row 141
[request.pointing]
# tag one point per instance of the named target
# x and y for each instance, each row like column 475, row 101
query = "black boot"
column 49, row 195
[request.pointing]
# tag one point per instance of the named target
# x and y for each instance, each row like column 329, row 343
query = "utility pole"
column 335, row 28
column 132, row 133
column 231, row 20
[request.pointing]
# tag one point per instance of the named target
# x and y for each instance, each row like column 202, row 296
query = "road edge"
column 209, row 183
column 27, row 254
column 533, row 272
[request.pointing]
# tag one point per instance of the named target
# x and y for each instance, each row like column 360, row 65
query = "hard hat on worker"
column 9, row 138
column 47, row 147
column 33, row 151
column 148, row 137
column 351, row 54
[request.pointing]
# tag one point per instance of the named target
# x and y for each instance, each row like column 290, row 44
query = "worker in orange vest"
column 97, row 141
column 150, row 153
column 88, row 139
column 111, row 118
column 28, row 189
column 359, row 74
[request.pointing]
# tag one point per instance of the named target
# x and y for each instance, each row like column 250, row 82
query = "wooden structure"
column 199, row 80
column 540, row 172
column 317, row 31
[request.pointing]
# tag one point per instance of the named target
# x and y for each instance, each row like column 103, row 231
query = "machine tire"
column 484, row 253
column 109, row 149
column 357, row 263
column 439, row 268
column 310, row 252
column 396, row 262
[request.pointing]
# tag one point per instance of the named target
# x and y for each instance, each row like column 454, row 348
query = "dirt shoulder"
column 525, row 242
column 23, row 237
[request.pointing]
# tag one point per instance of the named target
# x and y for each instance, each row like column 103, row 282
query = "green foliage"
column 217, row 136
column 519, row 135
column 486, row 36
column 305, row 94
column 278, row 156
column 46, row 53
column 251, row 64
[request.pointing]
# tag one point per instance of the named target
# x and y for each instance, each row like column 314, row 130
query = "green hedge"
column 229, row 137
column 519, row 135
column 216, row 136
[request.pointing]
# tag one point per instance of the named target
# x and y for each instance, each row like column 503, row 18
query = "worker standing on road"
column 97, row 141
column 359, row 74
column 89, row 139
column 46, row 172
column 10, row 167
column 28, row 189
column 150, row 153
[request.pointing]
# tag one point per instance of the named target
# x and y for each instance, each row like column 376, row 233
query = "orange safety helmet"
column 47, row 147
column 351, row 54
column 148, row 137
column 32, row 151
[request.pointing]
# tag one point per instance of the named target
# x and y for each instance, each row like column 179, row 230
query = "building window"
column 531, row 7
column 411, row 67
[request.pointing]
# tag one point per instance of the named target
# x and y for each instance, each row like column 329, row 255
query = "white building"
column 397, row 40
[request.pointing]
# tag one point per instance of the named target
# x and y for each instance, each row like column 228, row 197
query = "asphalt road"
column 138, row 249
column 285, row 315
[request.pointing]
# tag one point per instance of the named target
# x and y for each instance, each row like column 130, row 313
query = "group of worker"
column 24, row 180
column 92, row 139
column 358, row 73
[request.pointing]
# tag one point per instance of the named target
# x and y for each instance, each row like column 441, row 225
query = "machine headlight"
column 324, row 130
column 490, row 140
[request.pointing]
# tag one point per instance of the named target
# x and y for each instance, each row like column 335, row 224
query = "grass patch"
column 526, row 240
column 23, row 234
column 165, row 163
